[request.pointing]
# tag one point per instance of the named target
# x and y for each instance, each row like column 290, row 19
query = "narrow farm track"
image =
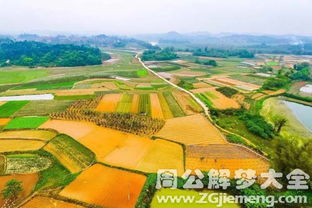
column 203, row 105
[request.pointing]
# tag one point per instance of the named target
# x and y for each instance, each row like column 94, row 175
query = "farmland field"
column 173, row 105
column 109, row 103
column 9, row 108
column 217, row 99
column 40, row 202
column 14, row 75
column 107, row 187
column 28, row 181
column 12, row 145
column 124, row 106
column 43, row 108
column 26, row 122
column 28, row 134
column 156, row 107
column 223, row 156
column 145, row 104
column 74, row 129
column 74, row 156
column 4, row 121
column 194, row 129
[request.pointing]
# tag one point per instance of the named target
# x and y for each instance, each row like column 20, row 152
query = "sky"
column 129, row 17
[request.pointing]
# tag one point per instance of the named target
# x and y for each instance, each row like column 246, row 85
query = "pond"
column 302, row 112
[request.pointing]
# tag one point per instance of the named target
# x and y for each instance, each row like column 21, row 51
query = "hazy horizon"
column 121, row 17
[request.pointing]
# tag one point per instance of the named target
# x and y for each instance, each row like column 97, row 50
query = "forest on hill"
column 34, row 54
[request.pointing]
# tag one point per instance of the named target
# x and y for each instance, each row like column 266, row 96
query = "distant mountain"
column 101, row 40
column 200, row 39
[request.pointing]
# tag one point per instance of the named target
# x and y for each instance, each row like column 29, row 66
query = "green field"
column 142, row 72
column 9, row 108
column 49, row 86
column 124, row 105
column 187, row 193
column 173, row 105
column 257, row 80
column 272, row 63
column 145, row 104
column 43, row 107
column 26, row 122
column 13, row 75
column 205, row 99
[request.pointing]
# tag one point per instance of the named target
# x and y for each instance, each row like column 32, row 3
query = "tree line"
column 33, row 54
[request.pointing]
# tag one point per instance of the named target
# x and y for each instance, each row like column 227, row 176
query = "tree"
column 279, row 122
column 292, row 153
column 12, row 190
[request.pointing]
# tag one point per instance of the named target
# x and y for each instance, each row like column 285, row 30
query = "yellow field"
column 74, row 92
column 2, row 102
column 229, row 156
column 4, row 121
column 28, row 134
column 162, row 155
column 75, row 129
column 195, row 129
column 164, row 106
column 184, row 102
column 45, row 202
column 131, row 151
column 220, row 101
column 63, row 158
column 11, row 145
column 107, row 187
column 155, row 106
column 135, row 104
column 28, row 183
column 109, row 103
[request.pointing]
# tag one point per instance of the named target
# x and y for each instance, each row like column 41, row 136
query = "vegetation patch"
column 12, row 75
column 74, row 156
column 2, row 164
column 145, row 104
column 26, row 122
column 26, row 163
column 142, row 73
column 9, row 108
column 124, row 106
column 43, row 107
column 227, row 91
column 173, row 105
